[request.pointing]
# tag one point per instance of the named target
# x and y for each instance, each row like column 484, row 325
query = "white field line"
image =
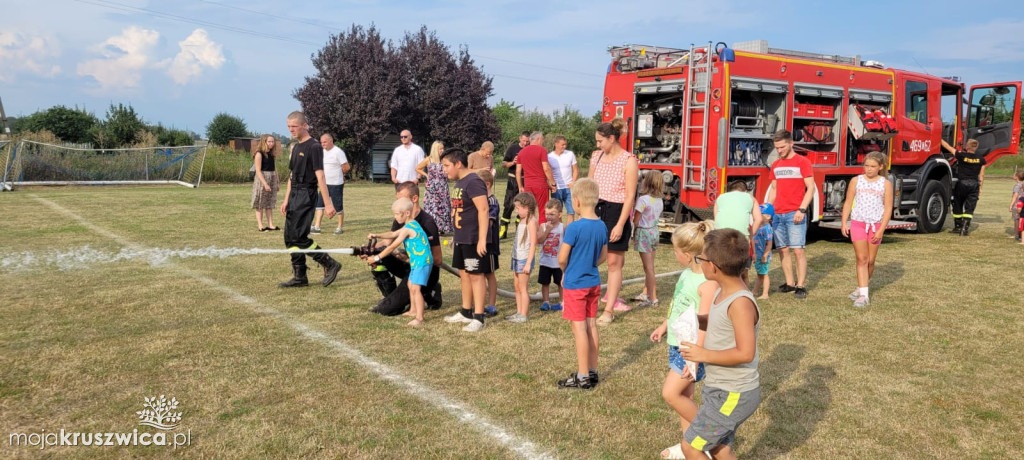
column 522, row 447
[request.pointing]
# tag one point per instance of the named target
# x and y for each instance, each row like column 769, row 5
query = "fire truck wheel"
column 932, row 208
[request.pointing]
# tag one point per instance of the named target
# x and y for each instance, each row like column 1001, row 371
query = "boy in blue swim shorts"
column 412, row 236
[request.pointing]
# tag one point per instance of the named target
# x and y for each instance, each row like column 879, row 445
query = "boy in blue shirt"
column 421, row 261
column 584, row 248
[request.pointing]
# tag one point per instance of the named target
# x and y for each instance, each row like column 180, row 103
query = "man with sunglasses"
column 404, row 160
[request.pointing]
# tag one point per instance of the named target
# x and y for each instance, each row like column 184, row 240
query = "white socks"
column 863, row 291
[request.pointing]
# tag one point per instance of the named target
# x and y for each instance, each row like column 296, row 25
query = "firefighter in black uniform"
column 970, row 174
column 306, row 180
column 512, row 189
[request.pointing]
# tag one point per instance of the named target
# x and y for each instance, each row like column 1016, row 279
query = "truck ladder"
column 695, row 118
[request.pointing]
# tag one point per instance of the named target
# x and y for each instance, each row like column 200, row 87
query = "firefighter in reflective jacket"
column 970, row 174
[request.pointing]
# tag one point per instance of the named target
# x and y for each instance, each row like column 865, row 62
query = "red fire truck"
column 706, row 116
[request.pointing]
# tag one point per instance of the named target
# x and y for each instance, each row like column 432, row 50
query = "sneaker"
column 574, row 381
column 853, row 295
column 517, row 318
column 593, row 378
column 339, row 231
column 648, row 303
column 490, row 311
column 457, row 318
column 786, row 288
column 861, row 301
column 555, row 307
column 800, row 292
column 314, row 230
column 512, row 317
column 545, row 306
column 474, row 326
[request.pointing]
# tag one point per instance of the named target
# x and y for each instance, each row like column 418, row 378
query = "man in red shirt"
column 791, row 191
column 534, row 172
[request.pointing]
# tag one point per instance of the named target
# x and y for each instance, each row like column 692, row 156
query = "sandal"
column 273, row 228
column 674, row 452
column 264, row 229
column 605, row 319
column 621, row 306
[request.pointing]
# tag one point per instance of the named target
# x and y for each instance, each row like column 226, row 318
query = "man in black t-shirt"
column 970, row 174
column 306, row 180
column 512, row 189
column 396, row 296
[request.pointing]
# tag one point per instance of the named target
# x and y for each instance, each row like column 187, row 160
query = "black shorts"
column 466, row 258
column 546, row 273
column 609, row 212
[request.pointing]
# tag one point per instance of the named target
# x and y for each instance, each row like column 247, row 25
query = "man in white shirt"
column 566, row 171
column 404, row 160
column 335, row 167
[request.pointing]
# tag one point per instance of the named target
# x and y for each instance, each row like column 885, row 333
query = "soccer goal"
column 37, row 163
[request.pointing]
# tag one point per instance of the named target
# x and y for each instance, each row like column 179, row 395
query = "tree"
column 171, row 137
column 448, row 94
column 577, row 128
column 70, row 125
column 225, row 127
column 121, row 128
column 355, row 93
column 365, row 88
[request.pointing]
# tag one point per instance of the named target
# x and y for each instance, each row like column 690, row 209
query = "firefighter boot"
column 958, row 223
column 435, row 301
column 503, row 230
column 385, row 282
column 331, row 268
column 966, row 229
column 298, row 277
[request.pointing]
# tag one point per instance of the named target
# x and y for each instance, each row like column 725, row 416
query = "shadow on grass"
column 887, row 274
column 819, row 266
column 794, row 414
column 631, row 354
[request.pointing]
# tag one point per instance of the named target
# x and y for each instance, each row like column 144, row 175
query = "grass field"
column 932, row 369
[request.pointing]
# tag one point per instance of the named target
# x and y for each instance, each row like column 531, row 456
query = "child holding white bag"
column 692, row 296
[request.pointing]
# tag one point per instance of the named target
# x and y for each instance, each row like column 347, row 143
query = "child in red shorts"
column 584, row 248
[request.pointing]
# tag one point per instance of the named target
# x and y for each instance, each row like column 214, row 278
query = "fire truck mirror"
column 989, row 99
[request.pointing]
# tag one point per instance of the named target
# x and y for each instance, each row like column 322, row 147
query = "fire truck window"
column 948, row 111
column 991, row 106
column 917, row 101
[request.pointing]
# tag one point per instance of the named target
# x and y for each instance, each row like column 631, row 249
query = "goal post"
column 37, row 163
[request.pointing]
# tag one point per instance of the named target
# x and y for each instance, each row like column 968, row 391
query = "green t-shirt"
column 683, row 299
column 734, row 210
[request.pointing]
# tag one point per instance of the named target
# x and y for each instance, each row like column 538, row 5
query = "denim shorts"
column 337, row 194
column 519, row 265
column 788, row 234
column 565, row 196
column 676, row 363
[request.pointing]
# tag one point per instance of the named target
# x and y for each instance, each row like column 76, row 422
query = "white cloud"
column 31, row 54
column 197, row 52
column 123, row 58
column 995, row 41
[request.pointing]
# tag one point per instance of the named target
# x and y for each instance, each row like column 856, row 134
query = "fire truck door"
column 993, row 118
column 921, row 127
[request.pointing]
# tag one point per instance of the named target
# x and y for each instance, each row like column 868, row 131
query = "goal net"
column 36, row 163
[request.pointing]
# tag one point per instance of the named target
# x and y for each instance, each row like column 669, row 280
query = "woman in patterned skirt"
column 436, row 200
column 265, row 184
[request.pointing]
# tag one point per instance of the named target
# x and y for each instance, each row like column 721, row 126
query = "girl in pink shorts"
column 866, row 213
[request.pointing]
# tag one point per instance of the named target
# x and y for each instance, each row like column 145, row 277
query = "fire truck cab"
column 705, row 117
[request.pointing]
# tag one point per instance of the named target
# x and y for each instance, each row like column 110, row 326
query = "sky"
column 181, row 62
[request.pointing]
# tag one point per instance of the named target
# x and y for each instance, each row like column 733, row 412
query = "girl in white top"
column 866, row 213
column 524, row 246
column 645, row 236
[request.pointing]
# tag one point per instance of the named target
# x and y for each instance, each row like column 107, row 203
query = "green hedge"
column 232, row 166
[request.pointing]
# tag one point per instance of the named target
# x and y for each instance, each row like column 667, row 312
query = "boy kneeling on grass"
column 421, row 261
column 584, row 248
column 732, row 388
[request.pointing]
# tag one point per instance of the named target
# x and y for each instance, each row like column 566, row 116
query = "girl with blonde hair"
column 265, row 183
